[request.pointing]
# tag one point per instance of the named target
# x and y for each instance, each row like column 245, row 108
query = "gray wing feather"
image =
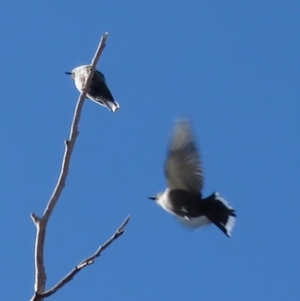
column 182, row 165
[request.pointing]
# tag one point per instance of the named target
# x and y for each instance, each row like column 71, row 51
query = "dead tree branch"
column 41, row 222
column 87, row 261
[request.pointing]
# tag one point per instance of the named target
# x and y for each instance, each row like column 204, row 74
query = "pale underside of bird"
column 98, row 90
column 183, row 197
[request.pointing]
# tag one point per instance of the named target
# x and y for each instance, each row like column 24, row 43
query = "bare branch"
column 41, row 223
column 89, row 260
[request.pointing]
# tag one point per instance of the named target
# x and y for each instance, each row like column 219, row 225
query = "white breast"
column 80, row 79
column 164, row 202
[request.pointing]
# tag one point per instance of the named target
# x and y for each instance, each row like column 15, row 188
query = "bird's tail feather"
column 220, row 213
column 113, row 106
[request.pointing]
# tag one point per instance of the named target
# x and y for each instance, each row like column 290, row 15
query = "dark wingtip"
column 153, row 198
column 69, row 73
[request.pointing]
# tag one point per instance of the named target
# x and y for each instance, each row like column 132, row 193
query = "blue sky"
column 232, row 67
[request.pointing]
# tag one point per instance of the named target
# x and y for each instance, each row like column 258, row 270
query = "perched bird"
column 98, row 90
column 183, row 196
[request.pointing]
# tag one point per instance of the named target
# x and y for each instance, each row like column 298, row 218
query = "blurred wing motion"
column 182, row 165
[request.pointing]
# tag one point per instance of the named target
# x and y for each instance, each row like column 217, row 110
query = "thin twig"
column 89, row 260
column 41, row 223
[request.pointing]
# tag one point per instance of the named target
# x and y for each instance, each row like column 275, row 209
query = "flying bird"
column 183, row 197
column 98, row 90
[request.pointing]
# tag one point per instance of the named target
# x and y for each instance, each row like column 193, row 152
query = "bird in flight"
column 183, row 197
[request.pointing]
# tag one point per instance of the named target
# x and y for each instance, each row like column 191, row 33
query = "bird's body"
column 183, row 196
column 98, row 90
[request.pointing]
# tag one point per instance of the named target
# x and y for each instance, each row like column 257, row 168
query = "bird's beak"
column 153, row 198
column 69, row 73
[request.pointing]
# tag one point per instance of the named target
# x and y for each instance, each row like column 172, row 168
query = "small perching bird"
column 183, row 196
column 98, row 90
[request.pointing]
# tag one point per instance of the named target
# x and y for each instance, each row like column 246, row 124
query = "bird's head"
column 79, row 70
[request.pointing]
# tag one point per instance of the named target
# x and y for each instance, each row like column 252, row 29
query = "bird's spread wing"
column 182, row 165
